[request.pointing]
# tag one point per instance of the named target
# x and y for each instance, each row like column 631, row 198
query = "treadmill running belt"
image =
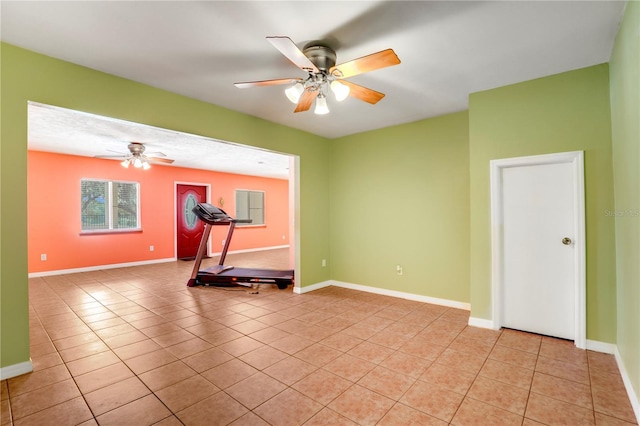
column 245, row 276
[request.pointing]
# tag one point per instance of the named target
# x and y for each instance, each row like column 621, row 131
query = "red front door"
column 189, row 227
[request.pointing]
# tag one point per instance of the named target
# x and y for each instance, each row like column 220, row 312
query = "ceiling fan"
column 319, row 62
column 137, row 157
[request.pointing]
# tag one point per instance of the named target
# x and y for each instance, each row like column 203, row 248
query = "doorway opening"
column 80, row 137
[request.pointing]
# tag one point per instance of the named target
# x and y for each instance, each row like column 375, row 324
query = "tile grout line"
column 64, row 297
column 82, row 394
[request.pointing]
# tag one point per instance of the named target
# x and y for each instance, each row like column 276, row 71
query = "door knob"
column 566, row 241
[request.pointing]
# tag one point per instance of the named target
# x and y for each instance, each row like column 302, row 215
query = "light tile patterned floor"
column 135, row 346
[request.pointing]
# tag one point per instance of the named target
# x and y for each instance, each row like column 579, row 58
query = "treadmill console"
column 211, row 214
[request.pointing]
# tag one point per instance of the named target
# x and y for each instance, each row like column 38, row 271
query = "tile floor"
column 135, row 346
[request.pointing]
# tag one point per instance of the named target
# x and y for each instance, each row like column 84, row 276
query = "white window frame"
column 264, row 207
column 110, row 206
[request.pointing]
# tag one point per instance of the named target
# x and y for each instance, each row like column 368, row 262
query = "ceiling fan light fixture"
column 319, row 62
column 137, row 157
column 340, row 90
column 293, row 93
column 321, row 105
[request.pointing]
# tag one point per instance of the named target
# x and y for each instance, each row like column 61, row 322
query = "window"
column 250, row 205
column 107, row 205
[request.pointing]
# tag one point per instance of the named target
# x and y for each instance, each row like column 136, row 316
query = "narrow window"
column 109, row 205
column 250, row 205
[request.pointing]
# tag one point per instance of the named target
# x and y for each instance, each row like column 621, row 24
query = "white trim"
column 482, row 323
column 253, row 250
column 605, row 348
column 264, row 207
column 111, row 229
column 634, row 399
column 294, row 219
column 312, row 287
column 140, row 263
column 576, row 158
column 99, row 267
column 16, row 370
column 387, row 292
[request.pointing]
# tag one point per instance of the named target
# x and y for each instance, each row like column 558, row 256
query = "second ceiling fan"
column 137, row 157
column 319, row 62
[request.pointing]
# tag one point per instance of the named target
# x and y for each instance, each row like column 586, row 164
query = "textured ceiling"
column 64, row 131
column 448, row 49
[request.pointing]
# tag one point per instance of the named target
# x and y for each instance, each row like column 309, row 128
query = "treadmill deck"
column 220, row 274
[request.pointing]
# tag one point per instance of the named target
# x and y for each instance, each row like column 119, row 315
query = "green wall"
column 27, row 76
column 625, row 123
column 563, row 112
column 400, row 195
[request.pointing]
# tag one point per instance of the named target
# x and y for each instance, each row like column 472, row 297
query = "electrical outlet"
column 283, row 237
column 43, row 257
column 223, row 241
column 399, row 270
column 324, row 262
column 151, row 248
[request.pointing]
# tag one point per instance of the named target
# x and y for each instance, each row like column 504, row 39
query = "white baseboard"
column 16, row 370
column 385, row 292
column 633, row 397
column 482, row 323
column 140, row 263
column 252, row 250
column 312, row 287
column 596, row 346
column 99, row 267
column 403, row 295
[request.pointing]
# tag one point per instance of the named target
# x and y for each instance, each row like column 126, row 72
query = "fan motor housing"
column 322, row 57
column 136, row 148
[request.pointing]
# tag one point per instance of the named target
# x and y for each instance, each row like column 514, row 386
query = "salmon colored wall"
column 54, row 213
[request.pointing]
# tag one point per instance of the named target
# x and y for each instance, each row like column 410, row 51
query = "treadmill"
column 226, row 275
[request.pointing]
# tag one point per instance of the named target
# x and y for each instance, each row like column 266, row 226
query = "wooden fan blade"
column 375, row 61
column 306, row 99
column 160, row 160
column 248, row 84
column 289, row 49
column 363, row 93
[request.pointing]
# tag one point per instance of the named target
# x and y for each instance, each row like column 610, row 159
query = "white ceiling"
column 64, row 131
column 448, row 49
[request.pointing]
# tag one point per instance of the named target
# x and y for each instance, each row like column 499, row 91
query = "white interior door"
column 541, row 247
column 538, row 268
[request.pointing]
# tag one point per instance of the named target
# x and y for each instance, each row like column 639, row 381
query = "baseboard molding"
column 312, row 287
column 99, row 267
column 482, row 323
column 596, row 346
column 253, row 250
column 385, row 292
column 16, row 370
column 634, row 398
column 140, row 263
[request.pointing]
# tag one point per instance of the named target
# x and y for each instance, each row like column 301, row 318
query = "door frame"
column 175, row 209
column 576, row 160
